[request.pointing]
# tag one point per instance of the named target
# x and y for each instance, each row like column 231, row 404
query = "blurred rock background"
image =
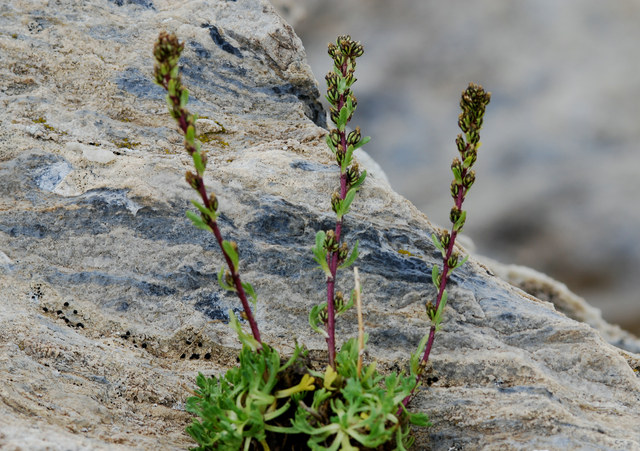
column 558, row 180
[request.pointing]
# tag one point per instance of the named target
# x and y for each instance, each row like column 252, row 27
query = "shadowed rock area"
column 110, row 303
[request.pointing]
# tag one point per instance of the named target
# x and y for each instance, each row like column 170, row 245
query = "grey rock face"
column 110, row 304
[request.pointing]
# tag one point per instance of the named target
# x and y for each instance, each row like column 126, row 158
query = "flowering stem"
column 167, row 52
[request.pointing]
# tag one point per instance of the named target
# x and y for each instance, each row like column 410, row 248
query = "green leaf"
column 346, row 161
column 352, row 257
column 416, row 357
column 456, row 174
column 460, row 222
column 233, row 255
column 222, row 283
column 437, row 317
column 346, row 203
column 248, row 288
column 419, row 419
column 330, row 144
column 191, row 133
column 320, row 254
column 184, row 98
column 198, row 163
column 244, row 338
column 198, row 221
column 362, row 142
column 204, row 210
column 468, row 162
column 344, row 114
column 435, row 272
column 436, row 242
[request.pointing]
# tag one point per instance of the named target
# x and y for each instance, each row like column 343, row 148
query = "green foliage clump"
column 271, row 404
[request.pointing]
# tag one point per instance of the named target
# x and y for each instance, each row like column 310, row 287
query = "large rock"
column 110, row 304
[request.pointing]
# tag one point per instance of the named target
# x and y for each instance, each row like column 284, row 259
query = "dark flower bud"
column 330, row 243
column 469, row 178
column 323, row 316
column 455, row 189
column 456, row 163
column 338, row 301
column 452, row 261
column 357, row 51
column 445, row 239
column 354, row 137
column 431, row 309
column 193, row 180
column 334, row 136
column 332, row 48
column 455, row 214
column 336, row 201
column 353, row 174
column 343, row 252
column 335, row 114
column 460, row 144
column 332, row 80
column 228, row 278
column 333, row 96
column 349, row 77
column 339, row 60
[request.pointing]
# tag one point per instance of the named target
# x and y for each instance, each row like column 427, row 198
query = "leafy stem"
column 167, row 52
column 334, row 253
column 473, row 103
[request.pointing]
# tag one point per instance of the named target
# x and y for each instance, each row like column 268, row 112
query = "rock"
column 110, row 299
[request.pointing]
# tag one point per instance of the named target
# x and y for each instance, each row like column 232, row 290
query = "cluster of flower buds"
column 330, row 242
column 166, row 51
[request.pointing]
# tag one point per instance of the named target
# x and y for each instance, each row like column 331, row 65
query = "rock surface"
column 110, row 304
column 557, row 172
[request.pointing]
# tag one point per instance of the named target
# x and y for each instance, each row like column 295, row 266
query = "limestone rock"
column 110, row 304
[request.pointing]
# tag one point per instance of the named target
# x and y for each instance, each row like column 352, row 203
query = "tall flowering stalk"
column 330, row 253
column 166, row 51
column 473, row 103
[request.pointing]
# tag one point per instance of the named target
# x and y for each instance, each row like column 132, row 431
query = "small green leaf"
column 233, row 255
column 320, row 253
column 248, row 288
column 352, row 257
column 184, row 98
column 416, row 357
column 244, row 338
column 456, row 174
column 197, row 162
column 204, row 210
column 460, row 222
column 362, row 142
column 346, row 203
column 346, row 161
column 468, row 162
column 436, row 242
column 330, row 145
column 198, row 221
column 435, row 272
column 191, row 133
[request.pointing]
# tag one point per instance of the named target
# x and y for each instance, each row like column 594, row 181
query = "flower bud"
column 330, row 243
column 354, row 137
column 469, row 178
column 343, row 252
column 332, row 49
column 336, row 201
column 445, row 239
column 332, row 80
column 334, row 136
column 455, row 189
column 455, row 214
column 193, row 180
column 228, row 278
column 452, row 261
column 353, row 174
column 460, row 144
column 338, row 301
